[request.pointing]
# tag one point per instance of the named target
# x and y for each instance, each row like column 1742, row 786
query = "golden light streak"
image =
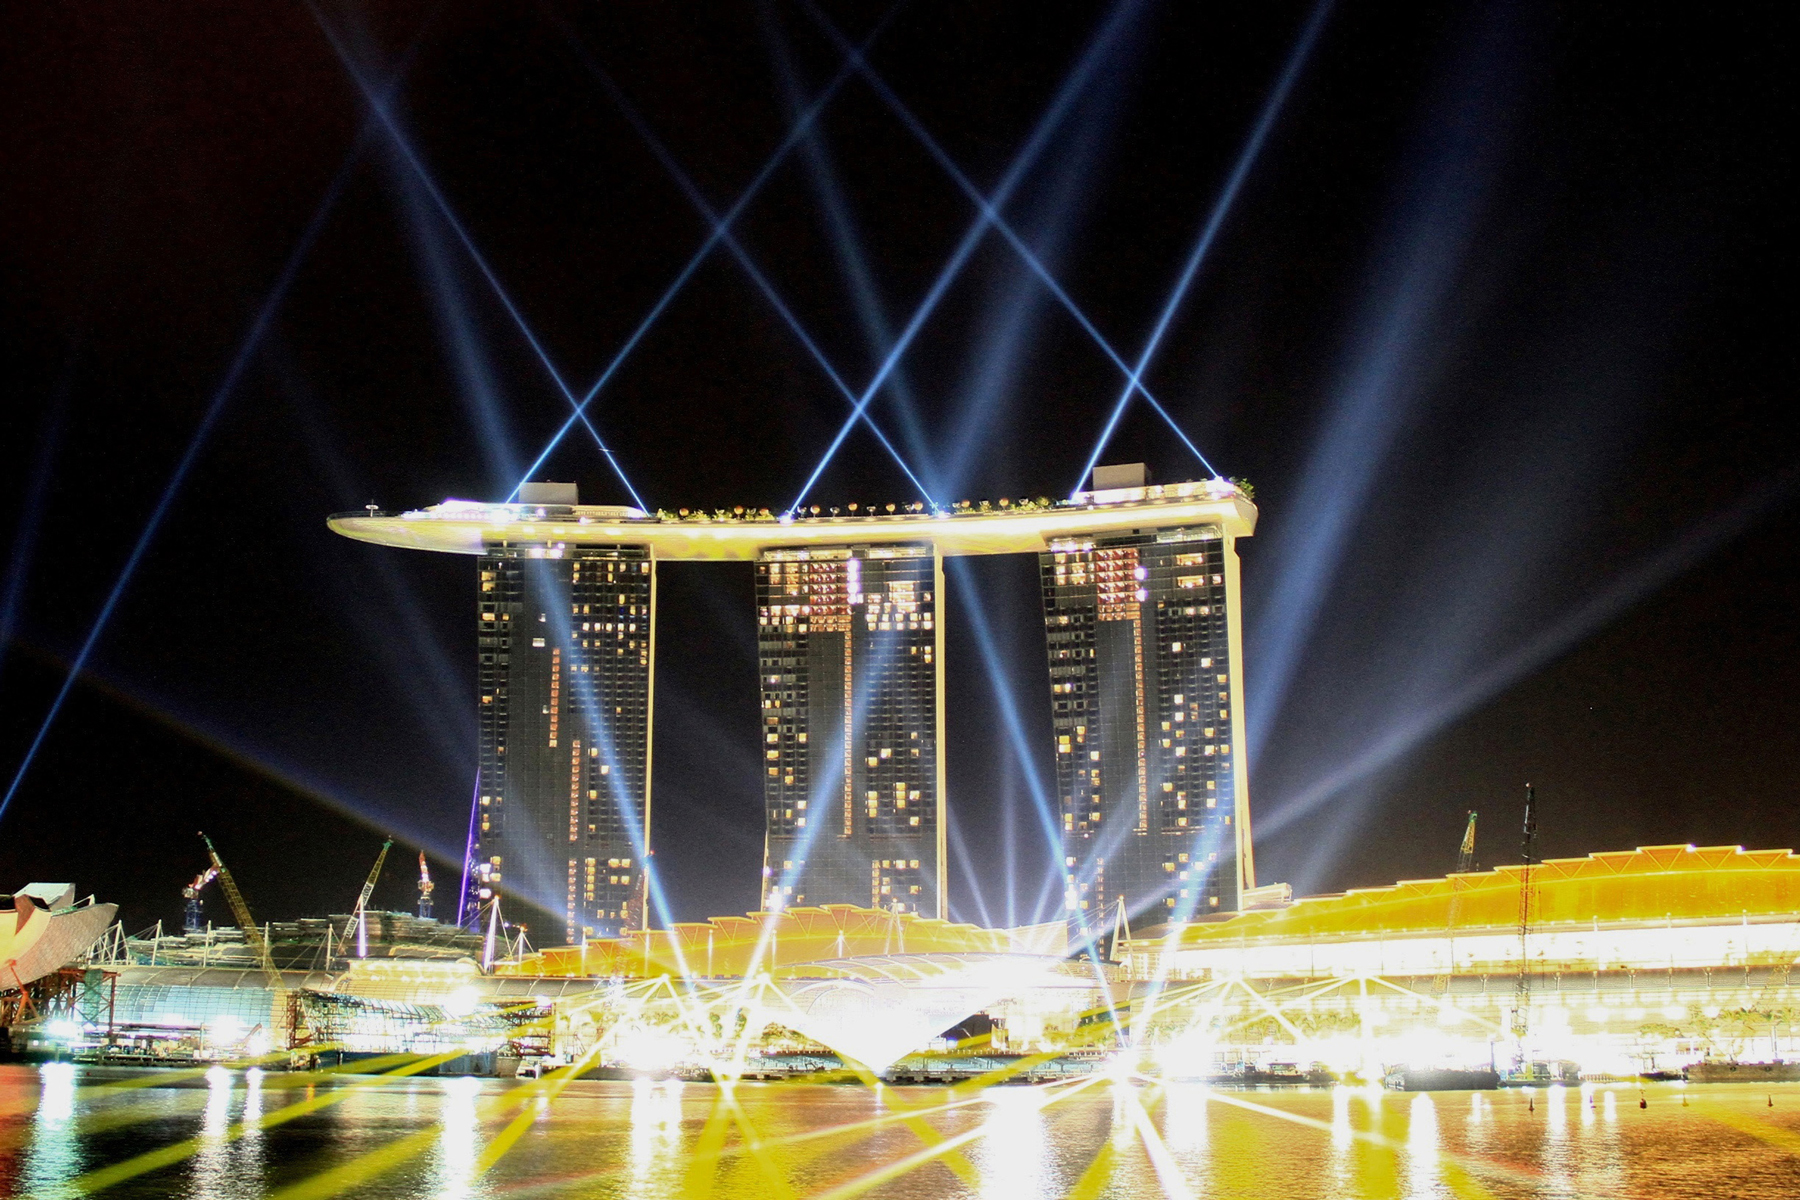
column 385, row 1158
column 151, row 1160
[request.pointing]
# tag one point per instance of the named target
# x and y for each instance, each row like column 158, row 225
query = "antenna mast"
column 1522, row 990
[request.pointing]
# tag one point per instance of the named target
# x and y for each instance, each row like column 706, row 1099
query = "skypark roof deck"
column 1020, row 527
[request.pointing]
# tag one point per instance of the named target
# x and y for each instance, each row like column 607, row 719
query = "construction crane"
column 253, row 937
column 359, row 915
column 1465, row 862
column 1522, row 989
column 425, row 889
column 192, row 919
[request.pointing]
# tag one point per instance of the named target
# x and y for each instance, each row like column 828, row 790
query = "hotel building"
column 1140, row 587
column 851, row 657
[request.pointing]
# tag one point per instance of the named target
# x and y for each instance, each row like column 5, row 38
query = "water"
column 230, row 1135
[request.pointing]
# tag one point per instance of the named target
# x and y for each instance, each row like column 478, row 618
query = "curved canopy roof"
column 800, row 941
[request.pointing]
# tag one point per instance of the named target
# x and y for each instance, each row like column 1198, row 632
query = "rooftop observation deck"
column 984, row 527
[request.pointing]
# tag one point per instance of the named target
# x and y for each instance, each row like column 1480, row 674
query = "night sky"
column 1499, row 325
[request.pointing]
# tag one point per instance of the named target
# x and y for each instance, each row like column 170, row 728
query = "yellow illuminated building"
column 1679, row 907
column 1644, row 960
column 795, row 942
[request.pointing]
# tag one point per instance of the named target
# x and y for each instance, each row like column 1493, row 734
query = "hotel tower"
column 1144, row 638
column 850, row 648
column 1140, row 587
column 566, row 645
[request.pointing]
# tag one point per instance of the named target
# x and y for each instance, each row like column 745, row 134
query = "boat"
column 1442, row 1079
column 1744, row 1072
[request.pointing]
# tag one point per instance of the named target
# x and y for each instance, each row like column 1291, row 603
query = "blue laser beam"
column 31, row 515
column 401, row 635
column 462, row 889
column 1071, row 88
column 1210, row 230
column 380, row 108
column 1694, row 545
column 959, row 850
column 847, row 245
column 472, row 368
column 259, row 327
column 257, row 759
column 742, row 256
column 1392, row 339
column 712, row 239
column 1007, row 702
column 1001, row 226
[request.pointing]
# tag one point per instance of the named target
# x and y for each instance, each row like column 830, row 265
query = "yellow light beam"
column 921, row 1128
column 151, row 1160
column 759, row 1153
column 919, row 1158
column 1167, row 1170
column 383, row 1159
column 700, row 1186
column 1774, row 1135
column 160, row 1077
column 1466, row 1166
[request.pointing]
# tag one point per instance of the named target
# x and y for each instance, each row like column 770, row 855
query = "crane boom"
column 362, row 900
column 1465, row 858
column 253, row 936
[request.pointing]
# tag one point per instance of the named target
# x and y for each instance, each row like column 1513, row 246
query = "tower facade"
column 1144, row 641
column 850, row 649
column 567, row 650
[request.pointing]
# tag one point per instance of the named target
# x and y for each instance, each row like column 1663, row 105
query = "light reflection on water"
column 655, row 1137
column 1423, row 1163
column 212, row 1161
column 459, row 1141
column 53, row 1155
column 638, row 1140
column 1012, row 1155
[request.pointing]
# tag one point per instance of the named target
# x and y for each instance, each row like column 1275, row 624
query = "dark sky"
column 1499, row 325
